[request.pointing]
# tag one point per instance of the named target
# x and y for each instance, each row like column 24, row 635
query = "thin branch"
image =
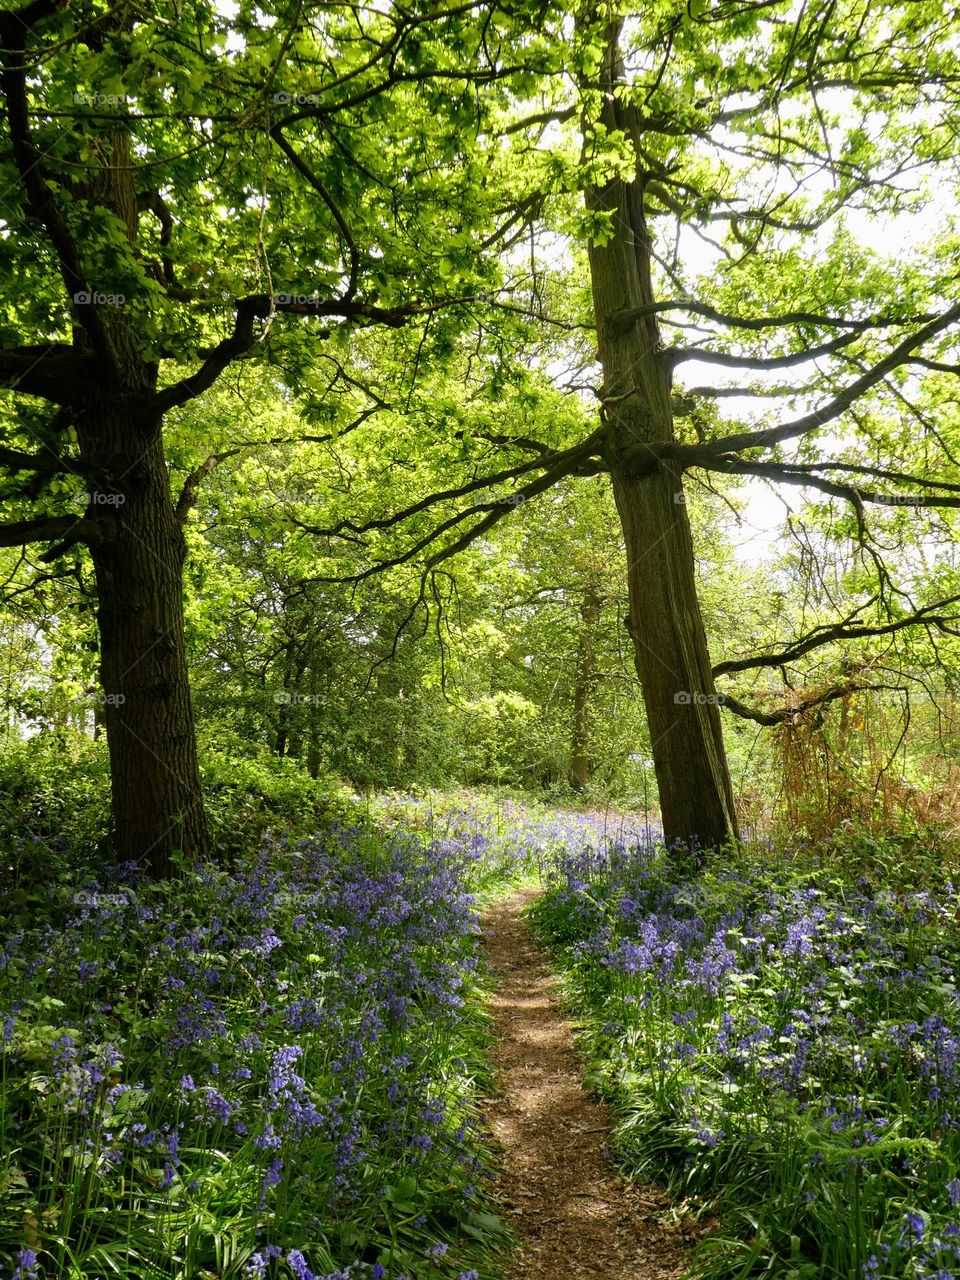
column 678, row 355
column 787, row 474
column 276, row 133
column 927, row 616
column 573, row 461
column 620, row 321
column 782, row 714
column 695, row 455
column 565, row 457
column 259, row 307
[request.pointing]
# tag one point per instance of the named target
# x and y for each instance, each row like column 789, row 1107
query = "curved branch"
column 695, row 454
column 258, row 307
column 677, row 355
column 619, row 321
column 15, row 28
column 573, row 461
column 791, row 712
column 844, row 631
column 572, row 458
column 807, row 476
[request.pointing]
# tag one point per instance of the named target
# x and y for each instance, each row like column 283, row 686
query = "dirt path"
column 573, row 1215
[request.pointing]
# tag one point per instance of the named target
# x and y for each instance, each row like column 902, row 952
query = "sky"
column 766, row 507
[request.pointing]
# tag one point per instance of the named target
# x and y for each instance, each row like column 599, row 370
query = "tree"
column 189, row 183
column 176, row 187
column 747, row 118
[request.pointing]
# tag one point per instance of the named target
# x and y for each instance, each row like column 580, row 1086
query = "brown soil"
column 574, row 1216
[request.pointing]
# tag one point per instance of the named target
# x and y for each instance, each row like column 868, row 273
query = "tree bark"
column 665, row 624
column 138, row 559
column 138, row 552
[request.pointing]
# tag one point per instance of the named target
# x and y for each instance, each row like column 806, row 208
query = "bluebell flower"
column 26, row 1267
column 298, row 1265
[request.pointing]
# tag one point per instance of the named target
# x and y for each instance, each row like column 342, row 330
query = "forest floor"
column 573, row 1215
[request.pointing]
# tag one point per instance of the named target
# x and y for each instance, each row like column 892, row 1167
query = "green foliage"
column 247, row 795
column 780, row 1039
column 54, row 813
column 284, row 1056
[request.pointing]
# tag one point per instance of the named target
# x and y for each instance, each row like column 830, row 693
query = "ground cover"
column 264, row 1071
column 782, row 1040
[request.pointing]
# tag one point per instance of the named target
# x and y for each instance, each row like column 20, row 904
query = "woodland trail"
column 574, row 1216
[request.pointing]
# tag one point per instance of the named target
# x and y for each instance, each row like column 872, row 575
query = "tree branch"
column 188, row 493
column 677, row 355
column 15, row 28
column 276, row 133
column 791, row 712
column 260, row 306
column 806, row 476
column 620, row 321
column 694, row 455
column 54, row 372
column 40, row 529
column 568, row 462
column 565, row 457
column 15, row 460
column 843, row 631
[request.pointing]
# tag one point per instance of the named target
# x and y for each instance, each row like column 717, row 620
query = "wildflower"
column 298, row 1265
column 26, row 1265
column 915, row 1223
column 216, row 1105
column 270, row 1179
column 953, row 1191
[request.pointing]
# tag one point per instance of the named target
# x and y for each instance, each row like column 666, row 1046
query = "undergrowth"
column 781, row 1035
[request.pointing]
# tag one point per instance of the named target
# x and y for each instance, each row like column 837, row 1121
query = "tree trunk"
column 131, row 528
column 138, row 553
column 138, row 560
column 581, row 758
column 673, row 663
column 670, row 647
